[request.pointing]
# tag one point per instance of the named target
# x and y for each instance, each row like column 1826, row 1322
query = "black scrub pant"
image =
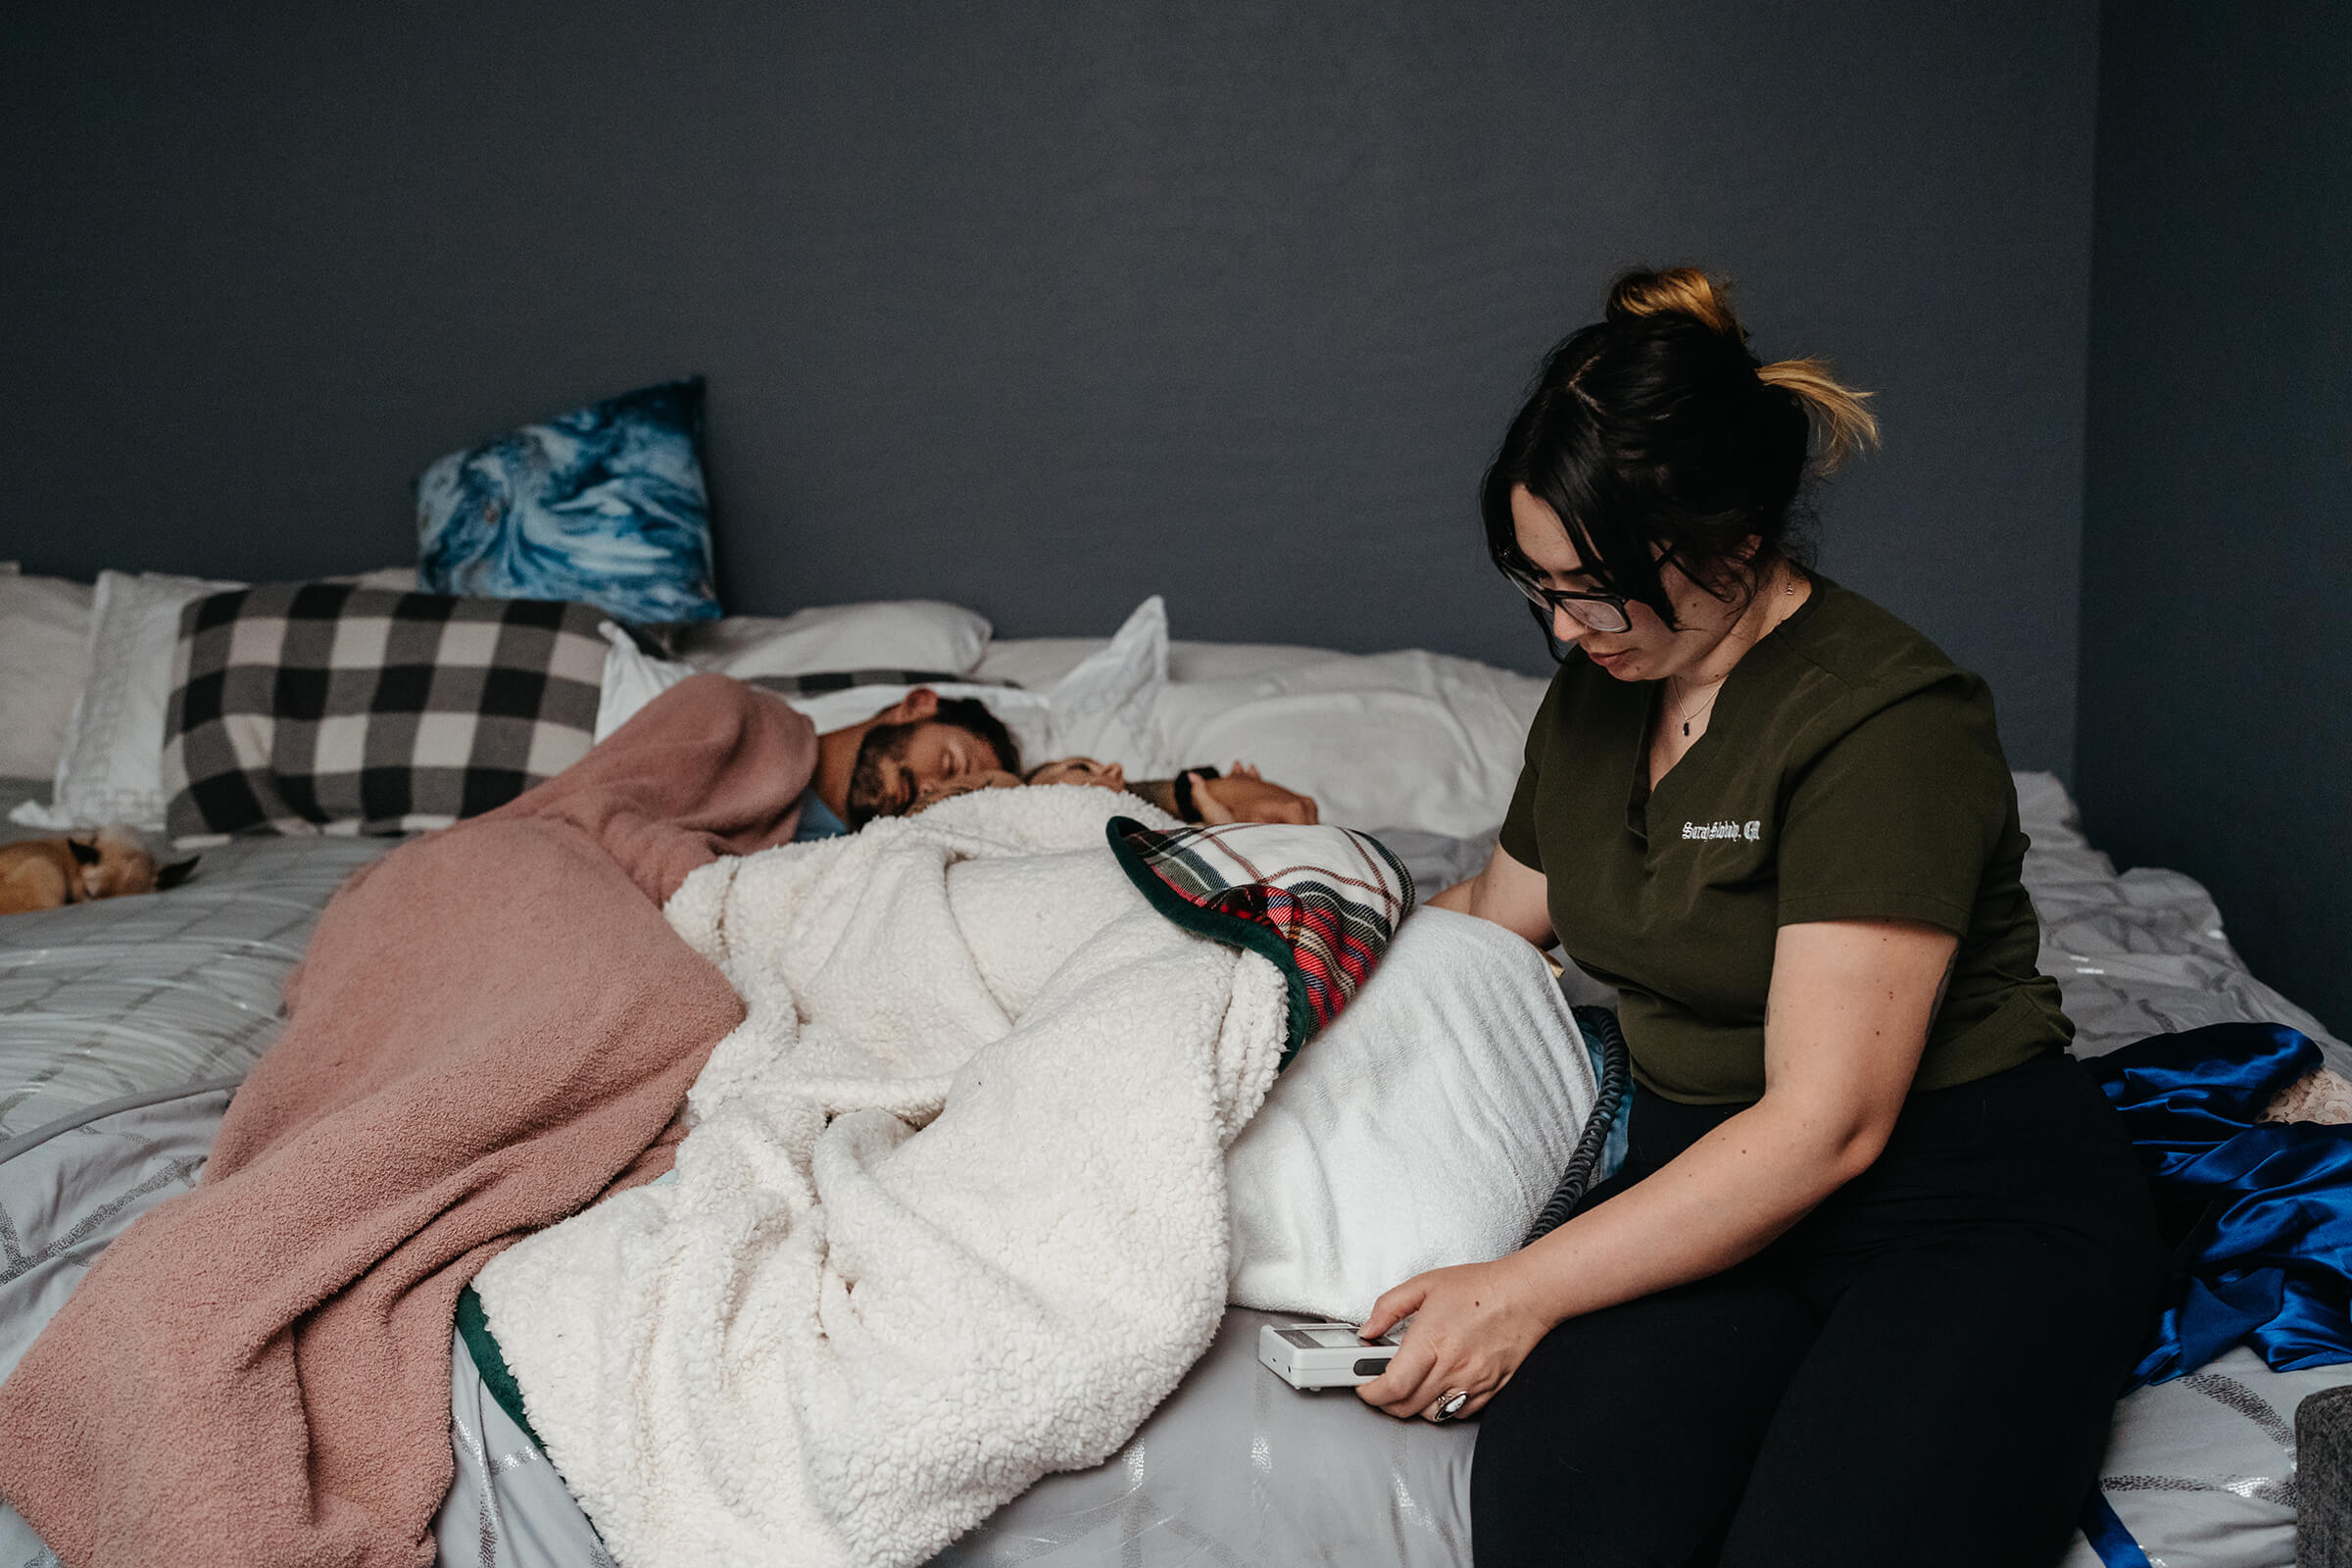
column 1920, row 1372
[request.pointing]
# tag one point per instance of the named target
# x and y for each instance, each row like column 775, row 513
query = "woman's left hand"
column 1472, row 1326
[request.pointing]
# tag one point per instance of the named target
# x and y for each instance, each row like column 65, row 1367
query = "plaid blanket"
column 298, row 707
column 1322, row 902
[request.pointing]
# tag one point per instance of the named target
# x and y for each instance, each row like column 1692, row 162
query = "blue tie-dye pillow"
column 601, row 505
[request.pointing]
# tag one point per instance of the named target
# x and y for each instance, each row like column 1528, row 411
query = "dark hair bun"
column 1656, row 431
column 1677, row 291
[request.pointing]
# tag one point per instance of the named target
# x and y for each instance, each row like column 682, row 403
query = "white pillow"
column 1410, row 739
column 1426, row 1127
column 1104, row 709
column 899, row 634
column 1036, row 662
column 111, row 767
column 45, row 653
column 1108, row 707
column 1040, row 661
column 397, row 579
column 635, row 678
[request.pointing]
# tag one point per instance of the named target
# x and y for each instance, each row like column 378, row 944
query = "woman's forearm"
column 1456, row 898
column 1505, row 892
column 1718, row 1203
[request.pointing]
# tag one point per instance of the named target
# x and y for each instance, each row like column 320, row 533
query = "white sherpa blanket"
column 837, row 1338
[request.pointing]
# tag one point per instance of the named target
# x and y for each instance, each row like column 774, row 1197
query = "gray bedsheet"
column 67, row 1190
column 123, row 997
column 2140, row 954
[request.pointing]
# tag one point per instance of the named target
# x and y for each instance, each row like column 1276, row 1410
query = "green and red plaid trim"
column 1322, row 902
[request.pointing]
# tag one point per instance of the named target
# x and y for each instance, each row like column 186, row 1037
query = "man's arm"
column 1239, row 795
column 1160, row 792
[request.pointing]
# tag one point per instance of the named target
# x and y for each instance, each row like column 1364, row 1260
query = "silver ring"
column 1450, row 1404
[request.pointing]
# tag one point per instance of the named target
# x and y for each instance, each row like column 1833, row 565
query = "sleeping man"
column 923, row 747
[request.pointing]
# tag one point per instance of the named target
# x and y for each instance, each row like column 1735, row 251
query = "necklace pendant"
column 1686, row 726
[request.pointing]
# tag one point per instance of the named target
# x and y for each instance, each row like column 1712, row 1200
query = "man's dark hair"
column 971, row 716
column 887, row 742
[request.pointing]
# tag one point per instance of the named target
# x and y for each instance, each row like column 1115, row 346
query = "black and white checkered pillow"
column 306, row 708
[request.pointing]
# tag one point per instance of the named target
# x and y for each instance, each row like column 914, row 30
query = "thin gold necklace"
column 1691, row 713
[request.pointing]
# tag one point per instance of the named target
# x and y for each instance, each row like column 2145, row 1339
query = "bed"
column 125, row 1027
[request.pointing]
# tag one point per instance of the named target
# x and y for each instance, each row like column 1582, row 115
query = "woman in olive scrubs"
column 1880, row 1259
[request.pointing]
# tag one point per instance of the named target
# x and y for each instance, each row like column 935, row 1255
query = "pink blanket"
column 493, row 1025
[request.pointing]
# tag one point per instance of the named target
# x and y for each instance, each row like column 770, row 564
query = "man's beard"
column 870, row 794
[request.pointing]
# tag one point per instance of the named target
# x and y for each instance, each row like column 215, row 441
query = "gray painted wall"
column 1041, row 306
column 2217, row 658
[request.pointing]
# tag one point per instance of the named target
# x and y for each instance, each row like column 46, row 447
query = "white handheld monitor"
column 1322, row 1356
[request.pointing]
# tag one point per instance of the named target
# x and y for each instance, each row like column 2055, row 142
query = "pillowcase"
column 1425, row 1127
column 1043, row 660
column 307, row 706
column 1036, row 662
column 1411, row 739
column 111, row 766
column 894, row 634
column 45, row 652
column 633, row 678
column 400, row 579
column 1108, row 707
column 1104, row 708
column 604, row 505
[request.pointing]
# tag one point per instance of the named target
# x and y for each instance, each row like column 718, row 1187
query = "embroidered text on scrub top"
column 1750, row 831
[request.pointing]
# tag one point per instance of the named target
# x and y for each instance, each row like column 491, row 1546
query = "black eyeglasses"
column 1599, row 611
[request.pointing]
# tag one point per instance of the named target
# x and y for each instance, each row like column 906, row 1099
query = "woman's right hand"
column 1472, row 1326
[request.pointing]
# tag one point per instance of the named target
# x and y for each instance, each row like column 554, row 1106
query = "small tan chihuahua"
column 109, row 864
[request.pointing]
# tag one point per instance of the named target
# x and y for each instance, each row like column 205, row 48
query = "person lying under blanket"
column 924, row 747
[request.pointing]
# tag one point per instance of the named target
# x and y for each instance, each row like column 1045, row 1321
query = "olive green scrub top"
column 1849, row 770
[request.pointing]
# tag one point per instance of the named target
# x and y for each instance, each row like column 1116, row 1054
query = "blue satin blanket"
column 2266, row 1257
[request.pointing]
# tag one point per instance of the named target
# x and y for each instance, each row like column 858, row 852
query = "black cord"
column 1599, row 1024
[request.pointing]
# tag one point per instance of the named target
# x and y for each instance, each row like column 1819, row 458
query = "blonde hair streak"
column 1844, row 425
column 1678, row 291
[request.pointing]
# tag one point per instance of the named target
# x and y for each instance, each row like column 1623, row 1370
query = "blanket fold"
column 493, row 1023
